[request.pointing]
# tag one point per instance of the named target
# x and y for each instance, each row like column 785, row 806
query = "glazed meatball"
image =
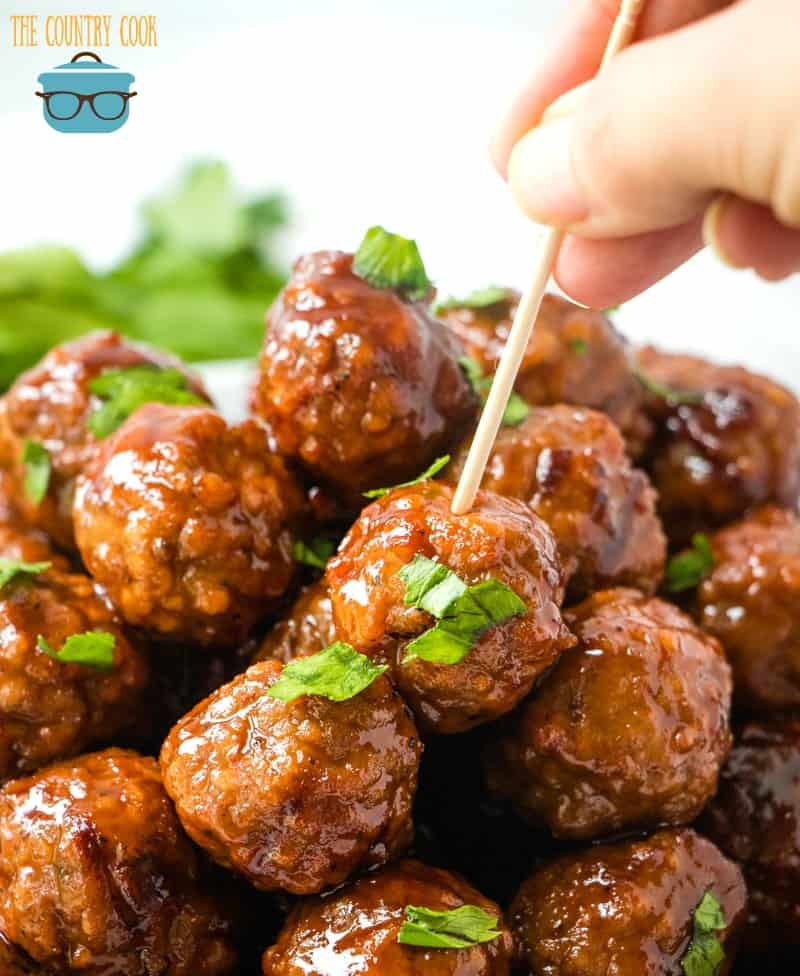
column 354, row 932
column 569, row 464
column 625, row 908
column 294, row 795
column 500, row 539
column 574, row 355
column 51, row 404
column 308, row 628
column 731, row 440
column 629, row 730
column 185, row 522
column 755, row 819
column 363, row 388
column 751, row 602
column 50, row 709
column 96, row 875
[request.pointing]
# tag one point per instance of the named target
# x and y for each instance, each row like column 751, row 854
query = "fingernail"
column 712, row 235
column 541, row 175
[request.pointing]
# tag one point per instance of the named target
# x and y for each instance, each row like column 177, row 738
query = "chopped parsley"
column 315, row 553
column 426, row 475
column 462, row 612
column 37, row 464
column 386, row 260
column 578, row 347
column 691, row 567
column 458, row 928
column 123, row 391
column 92, row 649
column 516, row 408
column 705, row 954
column 671, row 396
column 480, row 298
column 338, row 673
column 11, row 569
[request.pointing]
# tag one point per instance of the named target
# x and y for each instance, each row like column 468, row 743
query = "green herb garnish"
column 672, row 397
column 578, row 347
column 458, row 928
column 338, row 672
column 125, row 390
column 36, row 460
column 516, row 408
column 92, row 649
column 480, row 298
column 462, row 612
column 705, row 954
column 13, row 568
column 386, row 260
column 689, row 568
column 426, row 475
column 315, row 553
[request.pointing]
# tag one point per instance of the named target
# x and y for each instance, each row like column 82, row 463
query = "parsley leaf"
column 36, row 460
column 386, row 260
column 705, row 954
column 672, row 397
column 458, row 928
column 426, row 475
column 578, row 347
column 463, row 612
column 338, row 672
column 315, row 553
column 516, row 408
column 689, row 568
column 92, row 649
column 125, row 390
column 12, row 568
column 480, row 298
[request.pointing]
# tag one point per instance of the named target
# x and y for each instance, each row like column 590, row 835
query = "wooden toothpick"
column 528, row 309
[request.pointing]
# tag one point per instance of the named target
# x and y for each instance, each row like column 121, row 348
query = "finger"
column 604, row 273
column 746, row 235
column 574, row 54
column 671, row 121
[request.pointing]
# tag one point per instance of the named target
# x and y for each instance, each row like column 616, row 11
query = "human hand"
column 691, row 133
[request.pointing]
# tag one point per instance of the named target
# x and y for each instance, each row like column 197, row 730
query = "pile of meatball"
column 586, row 775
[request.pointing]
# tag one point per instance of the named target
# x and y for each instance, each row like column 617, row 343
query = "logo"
column 86, row 95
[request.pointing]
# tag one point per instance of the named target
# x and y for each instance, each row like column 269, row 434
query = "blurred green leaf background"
column 198, row 283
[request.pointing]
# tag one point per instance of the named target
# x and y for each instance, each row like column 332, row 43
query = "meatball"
column 294, row 795
column 361, row 387
column 625, row 908
column 500, row 539
column 354, row 932
column 727, row 440
column 15, row 963
column 751, row 602
column 574, row 355
column 308, row 628
column 569, row 464
column 185, row 522
column 51, row 404
column 50, row 709
column 97, row 876
column 629, row 730
column 755, row 819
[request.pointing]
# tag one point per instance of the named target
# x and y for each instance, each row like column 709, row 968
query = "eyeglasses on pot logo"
column 86, row 96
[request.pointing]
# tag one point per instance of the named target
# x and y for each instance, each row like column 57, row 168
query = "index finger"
column 574, row 55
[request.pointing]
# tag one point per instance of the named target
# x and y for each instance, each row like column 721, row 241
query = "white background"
column 364, row 112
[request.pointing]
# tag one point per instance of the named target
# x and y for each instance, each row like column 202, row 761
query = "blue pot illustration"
column 86, row 96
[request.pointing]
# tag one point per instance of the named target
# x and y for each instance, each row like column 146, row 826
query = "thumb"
column 671, row 122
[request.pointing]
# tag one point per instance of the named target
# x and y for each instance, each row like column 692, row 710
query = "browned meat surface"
column 630, row 728
column 498, row 539
column 625, row 908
